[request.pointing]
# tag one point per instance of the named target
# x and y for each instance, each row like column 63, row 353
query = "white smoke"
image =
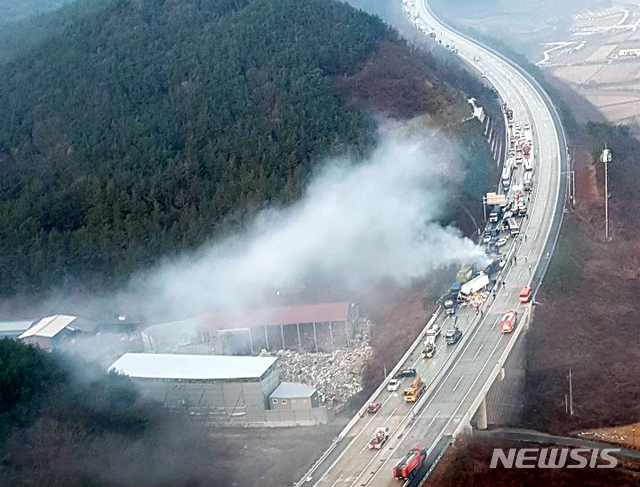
column 357, row 224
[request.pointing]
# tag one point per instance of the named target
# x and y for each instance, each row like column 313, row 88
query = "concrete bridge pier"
column 481, row 415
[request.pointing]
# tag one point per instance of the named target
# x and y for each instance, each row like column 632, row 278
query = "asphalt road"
column 458, row 374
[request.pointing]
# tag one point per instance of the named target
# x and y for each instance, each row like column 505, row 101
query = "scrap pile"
column 335, row 375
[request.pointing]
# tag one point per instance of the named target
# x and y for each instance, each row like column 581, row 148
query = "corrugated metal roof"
column 307, row 313
column 14, row 326
column 290, row 390
column 193, row 367
column 49, row 326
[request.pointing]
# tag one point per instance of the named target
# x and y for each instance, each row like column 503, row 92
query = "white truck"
column 473, row 286
column 380, row 437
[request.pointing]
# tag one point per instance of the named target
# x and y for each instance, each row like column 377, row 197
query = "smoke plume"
column 357, row 224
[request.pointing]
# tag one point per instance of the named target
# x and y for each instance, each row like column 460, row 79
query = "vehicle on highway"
column 453, row 336
column 406, row 373
column 486, row 238
column 473, row 286
column 495, row 214
column 450, row 307
column 528, row 181
column 415, row 390
column 393, row 385
column 374, row 407
column 514, row 228
column 429, row 349
column 506, row 176
column 508, row 322
column 501, row 242
column 528, row 164
column 525, row 294
column 476, row 58
column 522, row 208
column 407, row 467
column 434, row 331
column 380, row 437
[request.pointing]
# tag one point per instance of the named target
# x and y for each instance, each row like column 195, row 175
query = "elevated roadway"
column 459, row 376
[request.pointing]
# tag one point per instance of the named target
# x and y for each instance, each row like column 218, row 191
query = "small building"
column 13, row 329
column 293, row 396
column 48, row 332
column 213, row 388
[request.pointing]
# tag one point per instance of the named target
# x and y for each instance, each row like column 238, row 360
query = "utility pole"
column 605, row 158
column 570, row 393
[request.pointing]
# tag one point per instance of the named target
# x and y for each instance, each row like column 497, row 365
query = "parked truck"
column 380, row 437
column 410, row 464
column 473, row 286
column 415, row 390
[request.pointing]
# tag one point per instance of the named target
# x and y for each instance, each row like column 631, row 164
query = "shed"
column 294, row 396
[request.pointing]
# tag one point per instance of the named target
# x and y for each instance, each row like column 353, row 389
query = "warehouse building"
column 51, row 331
column 13, row 329
column 215, row 388
column 220, row 390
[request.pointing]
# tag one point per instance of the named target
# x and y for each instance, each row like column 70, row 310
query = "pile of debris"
column 335, row 375
column 477, row 299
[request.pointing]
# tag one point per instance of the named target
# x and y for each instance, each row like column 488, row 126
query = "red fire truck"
column 410, row 464
column 508, row 322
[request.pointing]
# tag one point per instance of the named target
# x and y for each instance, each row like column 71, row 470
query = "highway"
column 459, row 376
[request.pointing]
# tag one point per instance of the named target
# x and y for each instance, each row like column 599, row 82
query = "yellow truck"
column 413, row 393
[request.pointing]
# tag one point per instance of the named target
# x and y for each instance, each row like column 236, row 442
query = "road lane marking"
column 336, row 482
column 458, row 383
column 392, row 412
column 433, row 420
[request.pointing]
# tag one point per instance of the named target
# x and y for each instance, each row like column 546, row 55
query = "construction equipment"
column 413, row 392
column 410, row 464
column 380, row 437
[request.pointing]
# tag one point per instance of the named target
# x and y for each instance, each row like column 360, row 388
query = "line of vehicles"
column 471, row 286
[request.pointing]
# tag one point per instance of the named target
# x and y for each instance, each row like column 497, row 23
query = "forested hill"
column 149, row 126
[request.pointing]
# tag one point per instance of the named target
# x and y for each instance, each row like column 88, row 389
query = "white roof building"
column 290, row 390
column 50, row 326
column 192, row 367
column 13, row 328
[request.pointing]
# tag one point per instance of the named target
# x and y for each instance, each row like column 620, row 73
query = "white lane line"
column 336, row 482
column 520, row 275
column 392, row 412
column 433, row 420
column 458, row 383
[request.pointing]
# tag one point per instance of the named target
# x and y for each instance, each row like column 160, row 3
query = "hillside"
column 146, row 128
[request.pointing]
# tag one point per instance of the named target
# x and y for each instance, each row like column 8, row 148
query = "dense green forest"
column 67, row 423
column 145, row 128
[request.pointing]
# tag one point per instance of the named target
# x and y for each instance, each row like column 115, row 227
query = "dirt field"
column 275, row 457
column 601, row 62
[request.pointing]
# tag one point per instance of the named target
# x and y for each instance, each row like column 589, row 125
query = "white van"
column 506, row 176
